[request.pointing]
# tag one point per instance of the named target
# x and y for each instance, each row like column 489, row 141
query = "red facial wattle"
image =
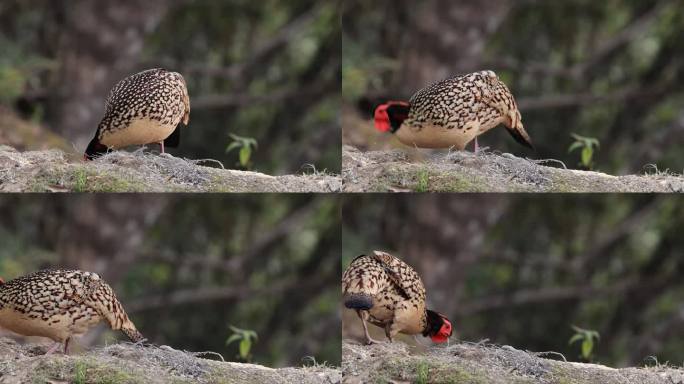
column 444, row 333
column 382, row 122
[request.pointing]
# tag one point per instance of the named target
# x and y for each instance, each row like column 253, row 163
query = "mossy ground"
column 134, row 364
column 468, row 363
column 85, row 370
column 120, row 171
column 461, row 171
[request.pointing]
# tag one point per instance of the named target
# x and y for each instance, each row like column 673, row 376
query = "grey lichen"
column 129, row 363
column 462, row 171
column 480, row 363
column 121, row 171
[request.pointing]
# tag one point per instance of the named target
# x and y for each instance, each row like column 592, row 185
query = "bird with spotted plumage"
column 453, row 112
column 388, row 293
column 59, row 304
column 141, row 109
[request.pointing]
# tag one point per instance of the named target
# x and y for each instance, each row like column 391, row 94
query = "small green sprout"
column 246, row 145
column 246, row 338
column 588, row 146
column 588, row 338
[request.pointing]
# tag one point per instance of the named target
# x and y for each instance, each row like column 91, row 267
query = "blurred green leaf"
column 587, row 145
column 245, row 153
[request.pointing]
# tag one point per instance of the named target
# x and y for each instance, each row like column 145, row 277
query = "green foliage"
column 80, row 180
column 246, row 337
column 246, row 146
column 588, row 339
column 588, row 145
column 422, row 373
column 423, row 181
column 80, row 371
column 12, row 83
column 364, row 75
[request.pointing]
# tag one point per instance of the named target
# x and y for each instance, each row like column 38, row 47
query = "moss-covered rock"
column 468, row 363
column 135, row 364
column 461, row 171
column 120, row 171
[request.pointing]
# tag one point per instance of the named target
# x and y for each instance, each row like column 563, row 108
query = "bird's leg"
column 66, row 346
column 161, row 146
column 363, row 315
column 53, row 349
column 477, row 147
column 388, row 331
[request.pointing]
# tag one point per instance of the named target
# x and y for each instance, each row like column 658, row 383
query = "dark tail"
column 520, row 135
column 174, row 139
column 359, row 301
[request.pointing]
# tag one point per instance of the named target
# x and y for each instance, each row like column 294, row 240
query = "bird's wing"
column 50, row 292
column 365, row 275
column 402, row 275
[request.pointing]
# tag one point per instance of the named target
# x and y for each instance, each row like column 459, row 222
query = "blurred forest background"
column 267, row 70
column 186, row 268
column 611, row 70
column 521, row 270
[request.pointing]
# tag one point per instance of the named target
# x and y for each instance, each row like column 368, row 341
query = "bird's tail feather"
column 517, row 130
column 521, row 136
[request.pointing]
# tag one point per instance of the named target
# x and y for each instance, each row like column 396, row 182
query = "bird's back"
column 382, row 280
column 144, row 108
column 60, row 303
column 452, row 112
column 452, row 103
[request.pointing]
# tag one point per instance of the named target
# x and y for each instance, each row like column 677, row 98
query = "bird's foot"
column 370, row 341
column 53, row 349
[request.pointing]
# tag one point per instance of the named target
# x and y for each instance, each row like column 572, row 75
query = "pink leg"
column 477, row 147
column 363, row 315
column 53, row 349
column 161, row 145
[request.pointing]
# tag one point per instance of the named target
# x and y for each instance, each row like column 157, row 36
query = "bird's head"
column 438, row 327
column 95, row 149
column 389, row 116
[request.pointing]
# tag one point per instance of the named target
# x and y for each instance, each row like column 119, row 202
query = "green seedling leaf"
column 245, row 153
column 245, row 346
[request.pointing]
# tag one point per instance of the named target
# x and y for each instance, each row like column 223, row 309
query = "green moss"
column 80, row 180
column 422, row 372
column 458, row 183
column 43, row 180
column 85, row 371
column 218, row 184
column 560, row 183
column 423, row 180
column 560, row 376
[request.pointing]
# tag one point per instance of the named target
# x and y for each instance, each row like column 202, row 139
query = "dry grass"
column 120, row 171
column 461, row 171
column 478, row 363
column 129, row 363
